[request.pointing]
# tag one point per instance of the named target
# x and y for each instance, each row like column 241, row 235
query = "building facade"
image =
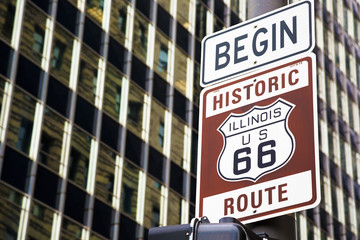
column 99, row 115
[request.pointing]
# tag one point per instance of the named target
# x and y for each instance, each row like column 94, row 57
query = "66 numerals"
column 243, row 164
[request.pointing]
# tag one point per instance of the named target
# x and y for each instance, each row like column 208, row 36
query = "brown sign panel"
column 258, row 145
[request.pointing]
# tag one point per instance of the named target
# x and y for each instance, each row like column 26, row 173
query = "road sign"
column 266, row 39
column 258, row 145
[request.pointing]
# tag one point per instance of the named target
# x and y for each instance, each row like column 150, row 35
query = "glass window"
column 180, row 73
column 85, row 115
column 95, row 9
column 134, row 148
column 112, row 92
column 3, row 84
column 7, row 15
column 51, row 140
column 235, row 6
column 5, row 60
column 156, row 164
column 29, row 76
column 174, row 209
column 118, row 20
column 157, row 126
column 70, row 230
column 177, row 175
column 161, row 55
column 164, row 21
column 135, row 109
column 40, row 222
column 145, row 7
column 140, row 37
column 111, row 132
column 79, row 157
column 180, row 105
column 129, row 189
column 75, row 203
column 152, row 203
column 183, row 16
column 16, row 169
column 200, row 28
column 128, row 228
column 21, row 121
column 139, row 72
column 183, row 38
column 220, row 10
column 177, row 141
column 61, row 54
column 56, row 91
column 117, row 54
column 10, row 202
column 102, row 218
column 33, row 33
column 160, row 89
column 197, row 87
column 105, row 174
column 92, row 34
column 46, row 186
column 88, row 73
column 67, row 15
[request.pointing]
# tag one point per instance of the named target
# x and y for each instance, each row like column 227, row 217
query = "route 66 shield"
column 256, row 142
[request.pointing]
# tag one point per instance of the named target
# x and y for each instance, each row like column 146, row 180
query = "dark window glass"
column 75, row 203
column 5, row 53
column 193, row 189
column 156, row 163
column 134, row 147
column 195, row 122
column 220, row 9
column 145, row 7
column 56, row 91
column 127, row 228
column 176, row 178
column 160, row 89
column 15, row 169
column 110, row 132
column 179, row 104
column 58, row 54
column 197, row 50
column 46, row 186
column 139, row 72
column 164, row 20
column 8, row 22
column 117, row 54
column 183, row 38
column 43, row 4
column 67, row 15
column 194, row 145
column 234, row 18
column 92, row 34
column 85, row 115
column 28, row 76
column 102, row 218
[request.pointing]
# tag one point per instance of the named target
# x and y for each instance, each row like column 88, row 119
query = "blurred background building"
column 99, row 115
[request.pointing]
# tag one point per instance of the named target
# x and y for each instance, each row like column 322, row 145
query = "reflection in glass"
column 141, row 28
column 70, row 230
column 105, row 172
column 7, row 15
column 180, row 68
column 177, row 141
column 112, row 92
column 79, row 157
column 21, row 121
column 157, row 120
column 135, row 109
column 152, row 203
column 51, row 140
column 118, row 20
column 174, row 209
column 129, row 189
column 40, row 222
column 33, row 33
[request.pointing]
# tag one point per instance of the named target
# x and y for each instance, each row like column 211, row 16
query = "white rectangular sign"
column 266, row 39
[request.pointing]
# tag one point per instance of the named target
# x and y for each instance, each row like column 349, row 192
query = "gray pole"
column 283, row 227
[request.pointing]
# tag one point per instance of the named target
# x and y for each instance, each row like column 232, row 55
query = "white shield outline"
column 290, row 107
